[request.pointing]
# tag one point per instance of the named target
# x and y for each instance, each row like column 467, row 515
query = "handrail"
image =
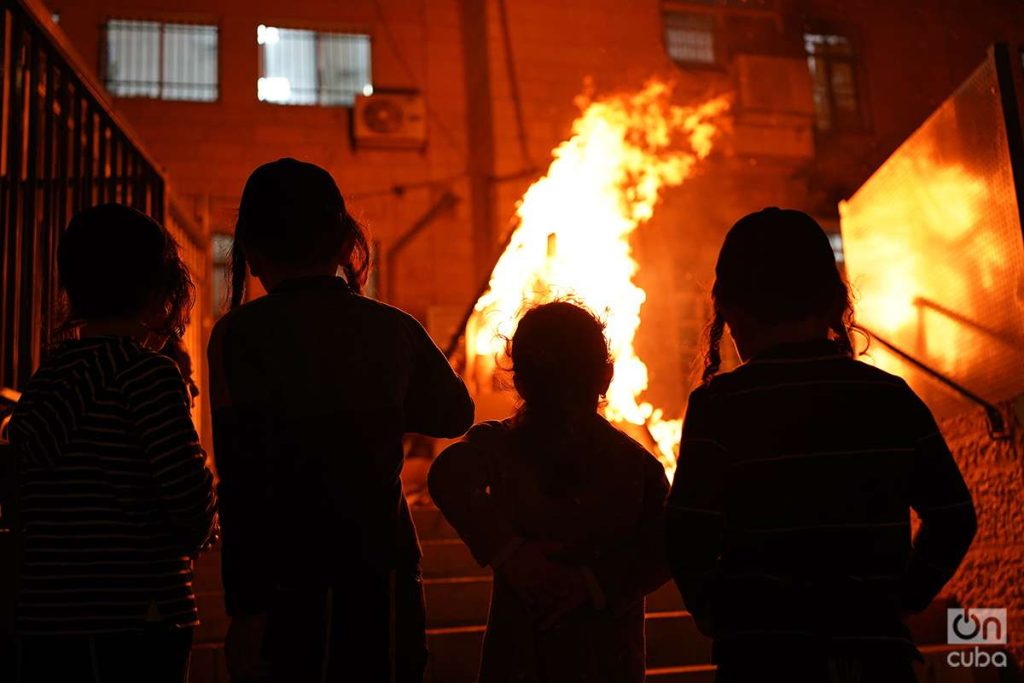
column 63, row 147
column 997, row 428
column 86, row 74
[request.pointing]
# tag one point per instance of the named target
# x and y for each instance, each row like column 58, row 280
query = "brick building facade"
column 498, row 80
column 824, row 91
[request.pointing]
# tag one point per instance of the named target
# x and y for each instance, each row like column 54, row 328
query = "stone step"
column 454, row 602
column 431, row 524
column 447, row 557
column 665, row 599
column 449, row 664
column 676, row 652
column 455, row 659
column 454, row 654
column 672, row 641
column 464, row 601
column 207, row 665
column 696, row 673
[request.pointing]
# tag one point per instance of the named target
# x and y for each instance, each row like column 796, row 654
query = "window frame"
column 714, row 28
column 318, row 32
column 854, row 62
column 162, row 22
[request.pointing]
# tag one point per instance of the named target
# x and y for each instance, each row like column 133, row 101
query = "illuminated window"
column 834, row 75
column 161, row 60
column 221, row 244
column 308, row 67
column 690, row 38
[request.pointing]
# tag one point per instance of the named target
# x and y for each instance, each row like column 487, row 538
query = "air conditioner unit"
column 395, row 119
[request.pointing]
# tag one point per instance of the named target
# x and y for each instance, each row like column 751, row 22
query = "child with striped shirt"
column 789, row 528
column 115, row 495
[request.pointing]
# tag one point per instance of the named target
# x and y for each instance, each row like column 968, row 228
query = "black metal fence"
column 61, row 149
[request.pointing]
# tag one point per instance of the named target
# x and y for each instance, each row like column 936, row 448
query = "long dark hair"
column 777, row 265
column 115, row 261
column 292, row 211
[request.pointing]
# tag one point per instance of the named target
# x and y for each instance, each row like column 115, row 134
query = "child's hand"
column 573, row 593
column 533, row 574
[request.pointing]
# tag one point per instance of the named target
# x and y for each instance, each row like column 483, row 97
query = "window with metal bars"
column 161, row 60
column 299, row 66
column 833, row 65
column 690, row 38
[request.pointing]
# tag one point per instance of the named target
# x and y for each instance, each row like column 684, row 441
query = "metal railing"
column 62, row 148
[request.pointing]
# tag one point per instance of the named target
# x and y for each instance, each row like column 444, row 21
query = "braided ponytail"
column 713, row 353
column 843, row 326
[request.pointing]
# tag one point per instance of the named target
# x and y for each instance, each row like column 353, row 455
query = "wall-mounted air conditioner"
column 390, row 119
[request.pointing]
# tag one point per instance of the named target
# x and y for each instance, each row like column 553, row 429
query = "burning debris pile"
column 574, row 226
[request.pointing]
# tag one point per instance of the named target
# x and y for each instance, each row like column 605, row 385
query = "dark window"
column 309, row 67
column 161, row 60
column 690, row 38
column 833, row 66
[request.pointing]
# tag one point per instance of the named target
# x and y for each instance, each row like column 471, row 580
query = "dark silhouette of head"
column 560, row 361
column 776, row 281
column 292, row 216
column 114, row 262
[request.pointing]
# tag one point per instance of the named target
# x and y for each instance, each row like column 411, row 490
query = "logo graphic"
column 980, row 627
column 976, row 626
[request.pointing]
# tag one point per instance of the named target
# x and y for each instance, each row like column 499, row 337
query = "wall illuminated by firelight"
column 934, row 251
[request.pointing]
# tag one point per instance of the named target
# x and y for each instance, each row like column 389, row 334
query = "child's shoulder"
column 755, row 375
column 488, row 432
column 139, row 363
column 619, row 444
column 263, row 311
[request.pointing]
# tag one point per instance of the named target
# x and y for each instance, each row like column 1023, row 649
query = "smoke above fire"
column 574, row 224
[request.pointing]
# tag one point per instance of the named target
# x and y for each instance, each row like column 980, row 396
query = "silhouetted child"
column 789, row 526
column 313, row 387
column 115, row 497
column 567, row 511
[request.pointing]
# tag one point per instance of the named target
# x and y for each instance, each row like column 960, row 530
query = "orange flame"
column 574, row 228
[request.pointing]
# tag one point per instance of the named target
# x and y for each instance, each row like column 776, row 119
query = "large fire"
column 573, row 233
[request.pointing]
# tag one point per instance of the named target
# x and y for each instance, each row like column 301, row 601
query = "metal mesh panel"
column 933, row 247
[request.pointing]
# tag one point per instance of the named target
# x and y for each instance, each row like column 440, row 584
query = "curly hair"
column 778, row 266
column 115, row 261
column 560, row 359
column 292, row 211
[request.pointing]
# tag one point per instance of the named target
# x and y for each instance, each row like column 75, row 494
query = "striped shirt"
column 789, row 520
column 114, row 491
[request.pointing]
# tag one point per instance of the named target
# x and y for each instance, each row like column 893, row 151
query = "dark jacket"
column 789, row 519
column 601, row 495
column 313, row 388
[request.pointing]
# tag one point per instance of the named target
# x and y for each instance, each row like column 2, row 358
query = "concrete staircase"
column 458, row 595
